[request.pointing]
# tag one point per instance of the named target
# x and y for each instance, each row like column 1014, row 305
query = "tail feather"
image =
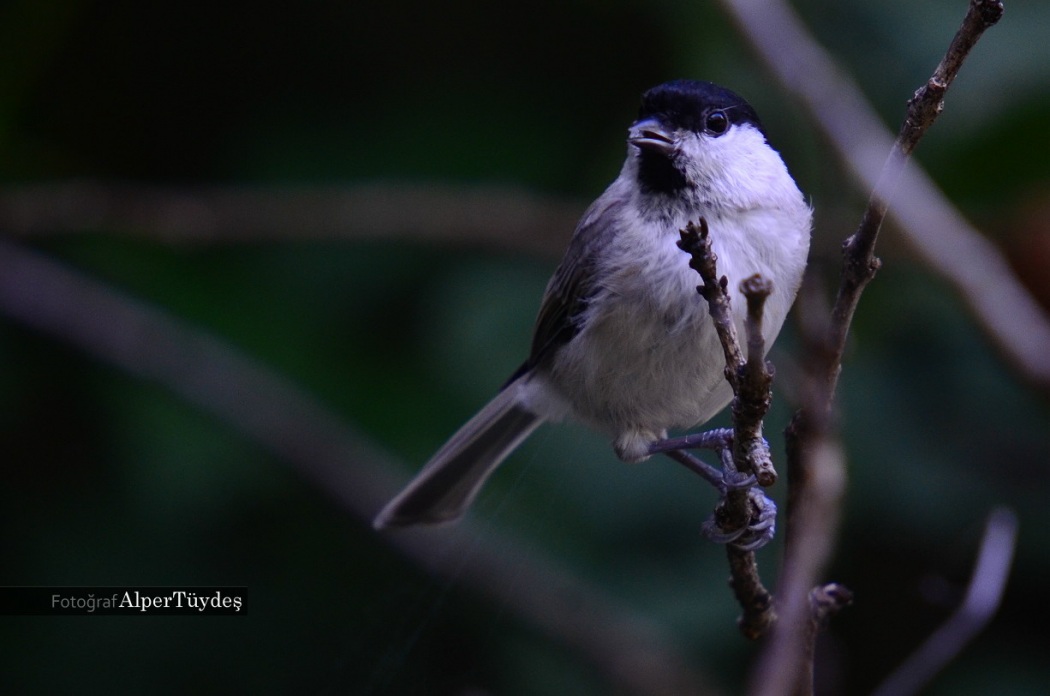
column 448, row 483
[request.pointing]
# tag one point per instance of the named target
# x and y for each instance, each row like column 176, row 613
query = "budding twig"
column 859, row 263
column 750, row 380
column 754, row 384
column 815, row 463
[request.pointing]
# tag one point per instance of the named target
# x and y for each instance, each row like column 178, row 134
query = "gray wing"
column 572, row 285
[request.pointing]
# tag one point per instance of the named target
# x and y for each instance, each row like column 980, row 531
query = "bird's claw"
column 757, row 533
column 761, row 526
column 737, row 481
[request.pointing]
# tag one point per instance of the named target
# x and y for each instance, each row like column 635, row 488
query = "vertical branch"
column 815, row 461
column 785, row 665
column 750, row 380
column 750, row 405
column 696, row 241
column 757, row 605
column 754, row 385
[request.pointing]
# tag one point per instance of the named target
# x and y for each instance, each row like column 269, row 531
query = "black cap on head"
column 687, row 103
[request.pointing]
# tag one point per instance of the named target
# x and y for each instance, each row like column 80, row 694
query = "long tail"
column 447, row 484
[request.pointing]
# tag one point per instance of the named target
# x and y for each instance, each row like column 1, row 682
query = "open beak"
column 650, row 135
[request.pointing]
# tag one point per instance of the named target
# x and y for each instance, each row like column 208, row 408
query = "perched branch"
column 754, row 384
column 751, row 378
column 696, row 242
column 134, row 337
column 750, row 381
column 758, row 610
column 750, row 406
column 983, row 596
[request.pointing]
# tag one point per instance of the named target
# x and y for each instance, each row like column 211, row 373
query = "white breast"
column 647, row 358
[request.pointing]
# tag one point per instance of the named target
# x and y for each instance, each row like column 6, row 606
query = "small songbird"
column 623, row 341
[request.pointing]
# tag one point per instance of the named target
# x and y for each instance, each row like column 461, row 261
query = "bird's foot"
column 759, row 530
column 761, row 525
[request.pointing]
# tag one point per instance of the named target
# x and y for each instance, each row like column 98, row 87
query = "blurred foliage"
column 109, row 480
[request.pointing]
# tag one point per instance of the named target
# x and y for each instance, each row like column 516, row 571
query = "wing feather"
column 572, row 285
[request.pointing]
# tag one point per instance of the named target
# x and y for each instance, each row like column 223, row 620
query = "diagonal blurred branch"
column 490, row 215
column 627, row 648
column 983, row 596
column 945, row 241
column 514, row 219
column 816, row 465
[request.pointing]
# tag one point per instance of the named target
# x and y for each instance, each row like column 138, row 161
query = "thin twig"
column 983, row 596
column 782, row 666
column 270, row 410
column 750, row 380
column 859, row 261
column 754, row 382
column 750, row 405
column 946, row 242
column 815, row 460
column 757, row 605
column 696, row 241
column 825, row 602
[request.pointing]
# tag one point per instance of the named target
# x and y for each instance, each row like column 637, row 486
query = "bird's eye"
column 717, row 122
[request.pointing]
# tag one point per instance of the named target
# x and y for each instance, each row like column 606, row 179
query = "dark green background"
column 111, row 480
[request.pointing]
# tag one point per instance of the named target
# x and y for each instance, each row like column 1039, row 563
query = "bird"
column 623, row 343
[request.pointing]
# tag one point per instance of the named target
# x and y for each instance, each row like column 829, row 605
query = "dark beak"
column 650, row 135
